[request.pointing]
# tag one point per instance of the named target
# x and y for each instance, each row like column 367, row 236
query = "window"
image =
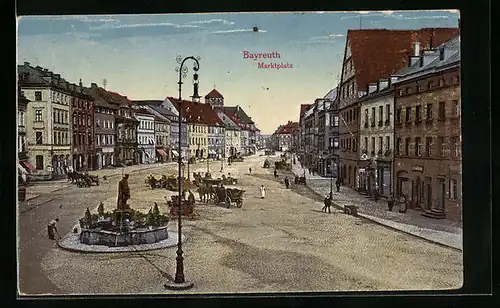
column 350, row 116
column 398, row 145
column 380, row 115
column 373, row 116
column 336, row 121
column 428, row 146
column 387, row 143
column 39, row 139
column 399, row 116
column 408, row 90
column 418, row 113
column 366, row 118
column 429, row 112
column 454, row 144
column 441, row 82
column 354, row 148
column 407, row 146
column 456, row 80
column 380, row 144
column 38, row 115
column 408, row 114
column 373, row 145
column 38, row 96
column 430, row 85
column 456, row 107
column 441, row 146
column 39, row 162
column 453, row 189
column 387, row 111
column 419, row 88
column 442, row 111
column 366, row 143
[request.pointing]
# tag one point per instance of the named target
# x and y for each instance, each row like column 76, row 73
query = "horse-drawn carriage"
column 283, row 165
column 187, row 206
column 300, row 180
column 235, row 158
column 229, row 196
column 83, row 179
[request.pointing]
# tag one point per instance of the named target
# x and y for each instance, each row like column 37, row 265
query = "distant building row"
column 63, row 126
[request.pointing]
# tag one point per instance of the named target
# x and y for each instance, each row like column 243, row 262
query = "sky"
column 136, row 54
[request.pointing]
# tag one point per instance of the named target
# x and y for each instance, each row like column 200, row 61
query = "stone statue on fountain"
column 123, row 209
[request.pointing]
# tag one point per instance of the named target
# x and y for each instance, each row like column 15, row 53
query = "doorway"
column 428, row 193
column 441, row 194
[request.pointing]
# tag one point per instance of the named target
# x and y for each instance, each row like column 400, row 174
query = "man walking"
column 328, row 203
column 287, row 183
column 262, row 191
column 250, row 170
column 337, row 183
column 52, row 227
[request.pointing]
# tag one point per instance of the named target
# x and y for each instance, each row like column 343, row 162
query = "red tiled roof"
column 235, row 119
column 197, row 112
column 214, row 94
column 143, row 111
column 303, row 108
column 118, row 99
column 287, row 128
column 378, row 53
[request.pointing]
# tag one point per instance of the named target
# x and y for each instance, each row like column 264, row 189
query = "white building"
column 146, row 136
column 376, row 138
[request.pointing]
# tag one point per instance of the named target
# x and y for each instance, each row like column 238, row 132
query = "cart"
column 229, row 196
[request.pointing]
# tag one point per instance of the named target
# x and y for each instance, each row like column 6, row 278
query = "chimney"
column 80, row 85
column 238, row 107
column 416, row 49
column 382, row 84
column 372, row 87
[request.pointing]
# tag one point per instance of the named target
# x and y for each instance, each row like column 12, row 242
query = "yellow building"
column 198, row 140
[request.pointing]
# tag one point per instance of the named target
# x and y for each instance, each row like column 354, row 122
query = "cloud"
column 146, row 25
column 401, row 16
column 235, row 31
column 212, row 21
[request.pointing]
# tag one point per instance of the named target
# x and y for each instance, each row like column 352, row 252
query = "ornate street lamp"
column 179, row 282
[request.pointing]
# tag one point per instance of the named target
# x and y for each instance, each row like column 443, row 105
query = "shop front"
column 384, row 182
column 367, row 177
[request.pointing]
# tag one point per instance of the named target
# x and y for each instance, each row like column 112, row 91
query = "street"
column 282, row 243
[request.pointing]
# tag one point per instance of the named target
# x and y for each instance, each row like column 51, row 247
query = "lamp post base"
column 171, row 285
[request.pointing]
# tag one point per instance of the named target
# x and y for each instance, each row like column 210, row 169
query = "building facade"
column 232, row 134
column 104, row 127
column 47, row 118
column 82, row 115
column 146, row 136
column 362, row 66
column 171, row 104
column 162, row 139
column 427, row 165
column 22, row 149
column 377, row 139
column 216, row 139
column 126, row 150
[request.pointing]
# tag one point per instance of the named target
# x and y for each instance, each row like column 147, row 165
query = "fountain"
column 123, row 227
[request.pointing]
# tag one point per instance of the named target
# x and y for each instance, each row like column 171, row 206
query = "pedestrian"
column 52, row 227
column 287, row 183
column 390, row 202
column 327, row 205
column 275, row 173
column 250, row 170
column 262, row 191
column 296, row 180
column 375, row 195
column 338, row 185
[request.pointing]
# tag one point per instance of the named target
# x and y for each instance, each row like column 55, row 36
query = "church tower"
column 214, row 99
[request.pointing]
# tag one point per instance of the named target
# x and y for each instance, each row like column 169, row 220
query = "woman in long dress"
column 262, row 191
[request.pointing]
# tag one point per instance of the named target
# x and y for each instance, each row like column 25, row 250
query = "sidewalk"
column 442, row 231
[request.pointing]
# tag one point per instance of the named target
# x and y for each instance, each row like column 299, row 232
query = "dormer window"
column 441, row 54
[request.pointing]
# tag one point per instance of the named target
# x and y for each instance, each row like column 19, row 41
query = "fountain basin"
column 116, row 239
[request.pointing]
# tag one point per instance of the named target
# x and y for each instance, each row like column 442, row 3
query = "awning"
column 21, row 168
column 161, row 152
column 175, row 153
column 27, row 165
